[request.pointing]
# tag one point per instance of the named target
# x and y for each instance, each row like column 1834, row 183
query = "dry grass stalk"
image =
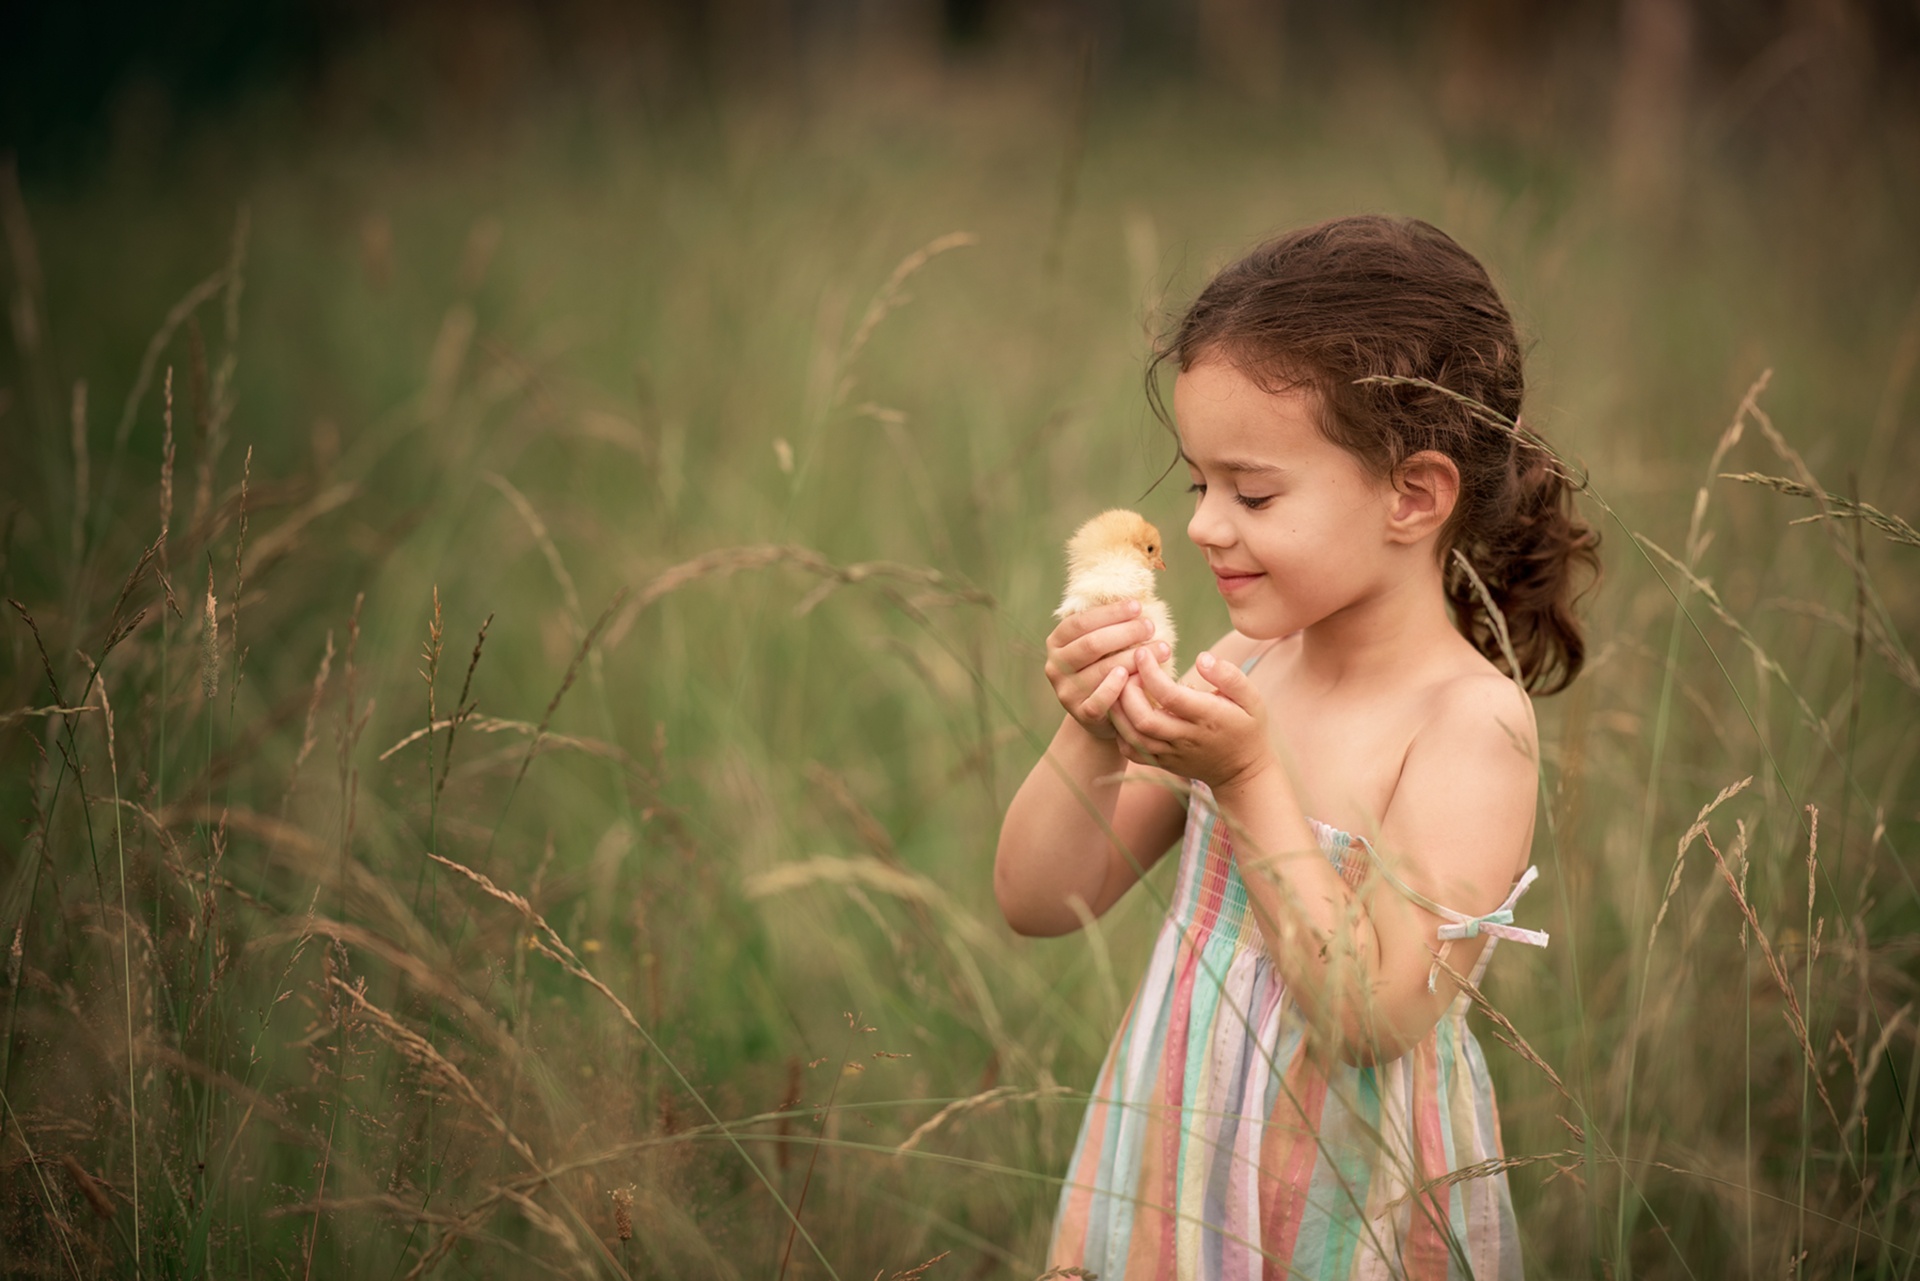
column 1850, row 553
column 573, row 672
column 1864, row 1077
column 1839, row 506
column 430, row 653
column 422, row 971
column 462, row 709
column 1796, row 1019
column 550, row 1224
column 914, row 1273
column 1488, row 1168
column 1510, row 1035
column 239, row 581
column 51, row 709
column 310, row 735
column 873, row 834
column 119, row 627
column 547, row 941
column 727, row 561
column 89, row 1186
column 1685, row 843
column 983, row 1101
column 282, row 538
column 46, row 663
column 622, row 1199
column 1762, row 659
column 891, row 296
column 1874, row 633
column 166, row 473
column 189, row 303
column 421, row 1052
column 1492, row 417
column 19, row 1131
column 544, row 540
column 504, row 725
column 210, row 642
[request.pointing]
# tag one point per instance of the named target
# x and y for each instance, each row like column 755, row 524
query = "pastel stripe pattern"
column 1216, row 1145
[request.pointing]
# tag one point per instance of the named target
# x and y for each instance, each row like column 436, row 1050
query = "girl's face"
column 1293, row 526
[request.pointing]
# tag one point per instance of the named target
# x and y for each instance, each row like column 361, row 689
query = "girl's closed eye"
column 1252, row 502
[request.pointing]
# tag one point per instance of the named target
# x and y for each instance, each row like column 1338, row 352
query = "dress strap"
column 1495, row 924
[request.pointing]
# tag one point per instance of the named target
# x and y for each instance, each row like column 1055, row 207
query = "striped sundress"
column 1216, row 1144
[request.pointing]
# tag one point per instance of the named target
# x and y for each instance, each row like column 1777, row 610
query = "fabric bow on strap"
column 1497, row 923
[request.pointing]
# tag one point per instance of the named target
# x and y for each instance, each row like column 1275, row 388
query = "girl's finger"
column 1144, row 717
column 1099, row 643
column 1130, row 733
column 1148, row 726
column 1182, row 701
column 1229, row 680
column 1074, row 626
column 1105, row 694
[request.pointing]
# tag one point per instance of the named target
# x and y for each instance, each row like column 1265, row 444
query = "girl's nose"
column 1208, row 528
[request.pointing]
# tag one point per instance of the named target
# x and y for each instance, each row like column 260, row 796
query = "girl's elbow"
column 1016, row 907
column 1025, row 913
column 1368, row 1037
column 1022, row 915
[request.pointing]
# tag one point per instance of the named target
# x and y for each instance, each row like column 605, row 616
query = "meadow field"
column 520, row 635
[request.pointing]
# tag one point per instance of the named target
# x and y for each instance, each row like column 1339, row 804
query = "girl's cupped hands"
column 1216, row 735
column 1088, row 657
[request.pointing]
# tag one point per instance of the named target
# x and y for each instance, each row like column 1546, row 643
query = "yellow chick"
column 1112, row 558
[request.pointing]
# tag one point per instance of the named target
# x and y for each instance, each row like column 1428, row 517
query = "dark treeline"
column 79, row 80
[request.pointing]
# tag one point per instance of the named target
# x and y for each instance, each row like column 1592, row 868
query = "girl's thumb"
column 1226, row 678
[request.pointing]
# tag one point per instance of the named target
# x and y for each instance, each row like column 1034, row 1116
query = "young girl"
column 1294, row 1090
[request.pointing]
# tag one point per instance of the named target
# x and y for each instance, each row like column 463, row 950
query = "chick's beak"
column 1156, row 562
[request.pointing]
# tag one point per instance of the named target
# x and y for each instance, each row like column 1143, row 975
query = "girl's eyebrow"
column 1239, row 466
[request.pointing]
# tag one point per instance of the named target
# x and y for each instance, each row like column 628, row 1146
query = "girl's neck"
column 1385, row 635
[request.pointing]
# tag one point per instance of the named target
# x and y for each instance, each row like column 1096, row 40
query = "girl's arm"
column 1067, row 837
column 1456, row 831
column 1054, row 845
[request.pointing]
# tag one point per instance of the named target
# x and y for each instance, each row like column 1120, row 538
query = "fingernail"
column 1164, row 652
column 1204, row 662
column 1133, row 607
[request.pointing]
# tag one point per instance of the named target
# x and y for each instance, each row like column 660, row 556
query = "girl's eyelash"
column 1250, row 503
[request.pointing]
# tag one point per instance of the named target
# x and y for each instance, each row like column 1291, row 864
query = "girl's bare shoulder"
column 1474, row 709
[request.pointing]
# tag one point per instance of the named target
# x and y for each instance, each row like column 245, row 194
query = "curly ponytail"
column 1405, row 339
column 1531, row 551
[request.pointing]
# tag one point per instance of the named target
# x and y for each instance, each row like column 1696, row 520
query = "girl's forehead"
column 1225, row 419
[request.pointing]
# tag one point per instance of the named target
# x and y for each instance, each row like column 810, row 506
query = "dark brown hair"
column 1347, row 308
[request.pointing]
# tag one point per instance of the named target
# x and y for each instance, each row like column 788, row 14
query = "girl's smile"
column 1231, row 581
column 1292, row 525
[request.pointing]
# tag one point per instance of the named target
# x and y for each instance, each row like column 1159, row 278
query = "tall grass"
column 526, row 803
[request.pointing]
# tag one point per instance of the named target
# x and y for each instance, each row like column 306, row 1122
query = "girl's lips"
column 1232, row 582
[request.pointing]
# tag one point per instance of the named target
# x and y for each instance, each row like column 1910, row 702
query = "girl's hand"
column 1089, row 656
column 1217, row 736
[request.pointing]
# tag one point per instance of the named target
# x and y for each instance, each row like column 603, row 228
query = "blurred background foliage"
column 738, row 370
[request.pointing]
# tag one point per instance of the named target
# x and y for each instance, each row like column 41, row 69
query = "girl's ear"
column 1426, row 486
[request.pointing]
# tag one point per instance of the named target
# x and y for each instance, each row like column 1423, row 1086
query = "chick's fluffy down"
column 1112, row 558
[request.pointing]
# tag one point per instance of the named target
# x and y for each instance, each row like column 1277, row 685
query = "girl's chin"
column 1259, row 624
